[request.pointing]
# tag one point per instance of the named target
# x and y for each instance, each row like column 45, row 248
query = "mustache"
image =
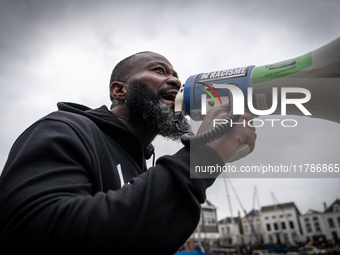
column 172, row 87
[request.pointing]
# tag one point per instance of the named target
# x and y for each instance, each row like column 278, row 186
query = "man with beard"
column 76, row 181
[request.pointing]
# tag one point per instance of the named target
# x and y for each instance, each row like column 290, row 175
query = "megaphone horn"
column 305, row 85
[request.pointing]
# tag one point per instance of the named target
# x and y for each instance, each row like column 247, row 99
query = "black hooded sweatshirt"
column 76, row 182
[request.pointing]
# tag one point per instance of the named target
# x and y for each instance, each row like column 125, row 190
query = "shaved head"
column 124, row 69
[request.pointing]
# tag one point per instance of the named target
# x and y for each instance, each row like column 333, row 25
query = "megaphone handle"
column 189, row 139
column 241, row 152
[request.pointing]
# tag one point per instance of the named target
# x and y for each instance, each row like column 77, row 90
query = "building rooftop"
column 279, row 207
column 334, row 207
column 228, row 220
column 311, row 211
column 253, row 213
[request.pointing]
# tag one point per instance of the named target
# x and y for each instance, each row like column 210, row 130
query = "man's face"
column 151, row 95
column 159, row 75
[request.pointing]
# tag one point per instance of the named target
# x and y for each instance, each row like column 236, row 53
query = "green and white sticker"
column 281, row 69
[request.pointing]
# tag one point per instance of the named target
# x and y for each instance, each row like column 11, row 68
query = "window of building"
column 294, row 236
column 308, row 228
column 334, row 235
column 273, row 217
column 336, row 208
column 315, row 218
column 339, row 221
column 331, row 223
column 306, row 219
column 317, row 226
column 278, row 239
column 222, row 230
column 283, row 225
column 209, row 218
column 266, row 218
column 275, row 226
column 291, row 224
column 258, row 227
column 285, row 238
column 270, row 238
column 246, row 229
column 268, row 227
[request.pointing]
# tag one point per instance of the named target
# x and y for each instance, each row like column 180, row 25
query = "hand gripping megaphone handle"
column 189, row 139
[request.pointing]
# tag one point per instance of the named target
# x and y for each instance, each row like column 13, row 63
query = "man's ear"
column 118, row 90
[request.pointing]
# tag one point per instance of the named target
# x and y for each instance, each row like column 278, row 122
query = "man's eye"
column 160, row 70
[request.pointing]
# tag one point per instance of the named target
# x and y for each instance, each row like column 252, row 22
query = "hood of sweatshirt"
column 111, row 126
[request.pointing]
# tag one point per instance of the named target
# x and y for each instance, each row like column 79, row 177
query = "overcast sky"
column 53, row 51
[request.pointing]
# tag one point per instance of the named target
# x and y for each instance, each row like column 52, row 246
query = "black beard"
column 148, row 111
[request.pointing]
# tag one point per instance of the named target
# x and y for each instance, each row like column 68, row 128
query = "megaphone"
column 307, row 85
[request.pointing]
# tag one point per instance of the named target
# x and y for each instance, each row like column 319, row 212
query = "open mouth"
column 169, row 96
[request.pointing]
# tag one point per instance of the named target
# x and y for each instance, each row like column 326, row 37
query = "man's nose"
column 174, row 81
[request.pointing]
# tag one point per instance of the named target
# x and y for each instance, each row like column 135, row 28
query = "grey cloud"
column 50, row 47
